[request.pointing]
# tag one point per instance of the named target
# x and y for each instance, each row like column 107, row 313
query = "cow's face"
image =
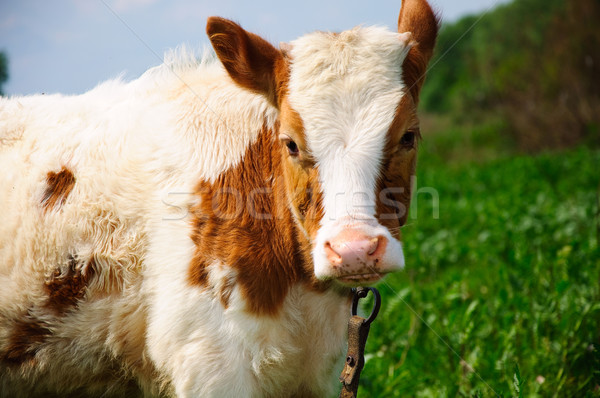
column 348, row 132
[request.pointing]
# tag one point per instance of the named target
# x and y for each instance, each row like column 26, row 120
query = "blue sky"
column 69, row 46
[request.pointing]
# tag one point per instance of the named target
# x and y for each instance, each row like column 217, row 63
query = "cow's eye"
column 408, row 139
column 290, row 144
column 292, row 148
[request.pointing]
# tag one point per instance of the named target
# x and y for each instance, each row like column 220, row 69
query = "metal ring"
column 362, row 292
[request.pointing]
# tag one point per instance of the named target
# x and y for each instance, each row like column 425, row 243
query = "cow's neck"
column 243, row 221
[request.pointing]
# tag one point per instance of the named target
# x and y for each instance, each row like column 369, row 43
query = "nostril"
column 378, row 246
column 373, row 245
column 331, row 254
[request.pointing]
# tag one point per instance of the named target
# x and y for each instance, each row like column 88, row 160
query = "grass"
column 501, row 295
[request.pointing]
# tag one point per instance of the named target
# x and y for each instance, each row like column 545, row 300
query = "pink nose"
column 355, row 252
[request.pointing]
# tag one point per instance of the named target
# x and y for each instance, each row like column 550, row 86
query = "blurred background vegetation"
column 3, row 70
column 501, row 294
column 531, row 68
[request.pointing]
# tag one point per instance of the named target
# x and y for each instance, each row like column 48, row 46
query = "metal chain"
column 358, row 331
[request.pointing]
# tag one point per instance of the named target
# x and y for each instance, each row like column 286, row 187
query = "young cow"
column 195, row 232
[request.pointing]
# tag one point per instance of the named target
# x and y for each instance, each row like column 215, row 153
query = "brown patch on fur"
column 282, row 78
column 226, row 290
column 59, row 186
column 394, row 193
column 301, row 174
column 65, row 289
column 198, row 274
column 404, row 118
column 394, row 185
column 291, row 124
column 304, row 195
column 243, row 221
column 27, row 336
column 417, row 17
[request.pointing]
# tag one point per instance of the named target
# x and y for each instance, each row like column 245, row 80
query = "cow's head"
column 348, row 131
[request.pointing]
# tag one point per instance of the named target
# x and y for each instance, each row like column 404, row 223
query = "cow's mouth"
column 358, row 279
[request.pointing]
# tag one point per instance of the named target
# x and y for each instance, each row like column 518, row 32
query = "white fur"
column 346, row 88
column 138, row 150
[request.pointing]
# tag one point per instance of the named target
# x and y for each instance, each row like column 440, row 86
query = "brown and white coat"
column 195, row 232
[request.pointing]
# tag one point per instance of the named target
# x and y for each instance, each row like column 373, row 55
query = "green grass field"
column 500, row 296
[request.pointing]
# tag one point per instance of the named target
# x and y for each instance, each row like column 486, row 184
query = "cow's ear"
column 249, row 59
column 417, row 17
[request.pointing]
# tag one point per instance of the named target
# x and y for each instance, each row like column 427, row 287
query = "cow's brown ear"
column 249, row 59
column 417, row 17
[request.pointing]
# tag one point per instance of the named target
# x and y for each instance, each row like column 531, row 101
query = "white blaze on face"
column 346, row 88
